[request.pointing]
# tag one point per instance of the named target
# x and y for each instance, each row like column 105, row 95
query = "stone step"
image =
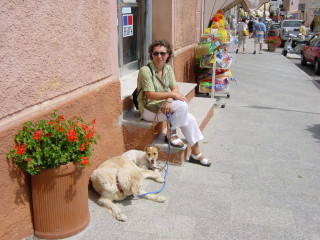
column 203, row 110
column 187, row 89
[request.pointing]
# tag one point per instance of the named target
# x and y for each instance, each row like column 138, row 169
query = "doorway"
column 134, row 31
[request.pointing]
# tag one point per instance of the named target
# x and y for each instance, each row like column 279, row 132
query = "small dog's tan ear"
column 145, row 149
column 157, row 148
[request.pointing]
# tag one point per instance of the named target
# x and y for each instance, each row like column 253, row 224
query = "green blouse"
column 152, row 82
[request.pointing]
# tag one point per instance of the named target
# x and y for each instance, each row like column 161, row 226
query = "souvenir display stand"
column 214, row 55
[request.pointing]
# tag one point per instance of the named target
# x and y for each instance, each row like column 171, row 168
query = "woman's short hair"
column 162, row 43
column 243, row 20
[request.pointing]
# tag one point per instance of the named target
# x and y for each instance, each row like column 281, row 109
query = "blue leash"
column 167, row 167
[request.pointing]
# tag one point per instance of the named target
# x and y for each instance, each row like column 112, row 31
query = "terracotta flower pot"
column 60, row 201
column 271, row 47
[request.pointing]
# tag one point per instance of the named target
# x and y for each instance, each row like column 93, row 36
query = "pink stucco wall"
column 186, row 22
column 162, row 20
column 61, row 55
column 179, row 22
column 49, row 48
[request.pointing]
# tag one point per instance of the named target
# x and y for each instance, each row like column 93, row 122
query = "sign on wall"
column 126, row 10
column 127, row 21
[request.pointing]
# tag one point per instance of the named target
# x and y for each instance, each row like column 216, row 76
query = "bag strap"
column 151, row 73
column 155, row 122
column 162, row 83
column 150, row 68
column 155, row 119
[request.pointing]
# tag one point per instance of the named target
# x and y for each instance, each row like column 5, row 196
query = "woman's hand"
column 167, row 108
column 179, row 96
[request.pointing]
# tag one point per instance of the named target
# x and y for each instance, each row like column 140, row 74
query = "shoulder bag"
column 245, row 33
column 136, row 92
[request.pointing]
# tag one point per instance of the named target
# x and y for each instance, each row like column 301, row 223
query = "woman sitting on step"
column 160, row 95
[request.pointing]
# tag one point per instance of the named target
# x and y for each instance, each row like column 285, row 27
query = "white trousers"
column 180, row 118
column 242, row 41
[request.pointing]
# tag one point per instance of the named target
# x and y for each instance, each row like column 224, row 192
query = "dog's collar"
column 118, row 185
column 151, row 167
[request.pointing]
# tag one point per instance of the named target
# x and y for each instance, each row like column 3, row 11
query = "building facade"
column 72, row 56
column 309, row 10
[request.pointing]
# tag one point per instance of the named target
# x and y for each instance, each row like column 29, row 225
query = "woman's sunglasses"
column 157, row 53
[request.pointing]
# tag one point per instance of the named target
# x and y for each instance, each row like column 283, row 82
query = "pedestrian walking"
column 250, row 27
column 259, row 31
column 312, row 25
column 302, row 31
column 243, row 34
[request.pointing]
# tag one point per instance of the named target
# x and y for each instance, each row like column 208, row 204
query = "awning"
column 254, row 4
column 233, row 4
column 248, row 5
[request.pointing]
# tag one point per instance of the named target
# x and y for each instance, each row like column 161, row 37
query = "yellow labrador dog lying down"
column 118, row 178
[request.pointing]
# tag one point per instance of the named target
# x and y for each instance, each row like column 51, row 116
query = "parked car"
column 311, row 53
column 290, row 27
column 272, row 30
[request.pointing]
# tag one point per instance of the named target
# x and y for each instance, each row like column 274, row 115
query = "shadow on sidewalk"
column 282, row 109
column 315, row 131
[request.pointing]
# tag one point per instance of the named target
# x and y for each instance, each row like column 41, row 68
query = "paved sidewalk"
column 264, row 183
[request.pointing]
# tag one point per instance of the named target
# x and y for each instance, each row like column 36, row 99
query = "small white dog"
column 118, row 178
column 146, row 159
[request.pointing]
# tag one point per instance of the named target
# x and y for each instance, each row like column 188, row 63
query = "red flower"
column 85, row 161
column 83, row 147
column 61, row 129
column 53, row 123
column 275, row 40
column 72, row 135
column 61, row 118
column 94, row 121
column 90, row 134
column 21, row 149
column 85, row 127
column 37, row 135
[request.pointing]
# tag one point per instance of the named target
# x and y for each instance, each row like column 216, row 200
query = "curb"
column 317, row 83
column 303, row 72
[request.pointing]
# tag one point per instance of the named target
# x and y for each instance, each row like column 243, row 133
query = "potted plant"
column 273, row 42
column 55, row 152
